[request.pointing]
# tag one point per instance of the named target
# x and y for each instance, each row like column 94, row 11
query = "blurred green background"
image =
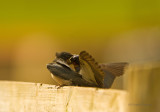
column 32, row 31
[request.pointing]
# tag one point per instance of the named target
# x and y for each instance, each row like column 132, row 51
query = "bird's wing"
column 90, row 70
column 112, row 70
column 115, row 69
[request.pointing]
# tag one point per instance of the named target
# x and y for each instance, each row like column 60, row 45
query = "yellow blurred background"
column 32, row 31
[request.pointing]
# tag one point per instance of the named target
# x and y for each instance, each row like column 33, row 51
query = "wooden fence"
column 142, row 95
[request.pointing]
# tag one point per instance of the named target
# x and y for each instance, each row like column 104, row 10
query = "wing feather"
column 90, row 69
column 112, row 70
column 117, row 69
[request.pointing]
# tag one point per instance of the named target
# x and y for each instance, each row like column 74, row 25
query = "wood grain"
column 36, row 97
column 143, row 84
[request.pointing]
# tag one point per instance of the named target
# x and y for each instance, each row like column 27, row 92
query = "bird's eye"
column 74, row 59
column 71, row 60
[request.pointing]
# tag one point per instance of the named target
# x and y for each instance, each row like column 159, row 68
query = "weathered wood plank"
column 143, row 84
column 36, row 97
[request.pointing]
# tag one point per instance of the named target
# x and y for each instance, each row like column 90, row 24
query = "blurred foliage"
column 71, row 20
column 31, row 31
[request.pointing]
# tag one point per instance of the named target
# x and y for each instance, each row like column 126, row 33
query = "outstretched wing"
column 90, row 70
column 115, row 69
column 112, row 70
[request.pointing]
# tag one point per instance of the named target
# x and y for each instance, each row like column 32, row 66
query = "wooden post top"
column 29, row 97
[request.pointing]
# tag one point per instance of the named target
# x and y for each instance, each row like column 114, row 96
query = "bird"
column 85, row 71
column 63, row 74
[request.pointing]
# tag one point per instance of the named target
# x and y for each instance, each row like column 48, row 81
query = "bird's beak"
column 49, row 65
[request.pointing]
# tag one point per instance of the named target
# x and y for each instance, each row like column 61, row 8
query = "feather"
column 112, row 70
column 116, row 69
column 90, row 70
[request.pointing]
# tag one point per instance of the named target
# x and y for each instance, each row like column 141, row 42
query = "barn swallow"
column 86, row 72
column 63, row 74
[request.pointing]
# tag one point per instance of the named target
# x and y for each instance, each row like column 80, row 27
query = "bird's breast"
column 61, row 81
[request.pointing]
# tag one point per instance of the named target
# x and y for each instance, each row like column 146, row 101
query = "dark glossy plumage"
column 86, row 72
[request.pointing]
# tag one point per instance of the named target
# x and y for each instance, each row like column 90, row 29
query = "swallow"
column 63, row 74
column 86, row 69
